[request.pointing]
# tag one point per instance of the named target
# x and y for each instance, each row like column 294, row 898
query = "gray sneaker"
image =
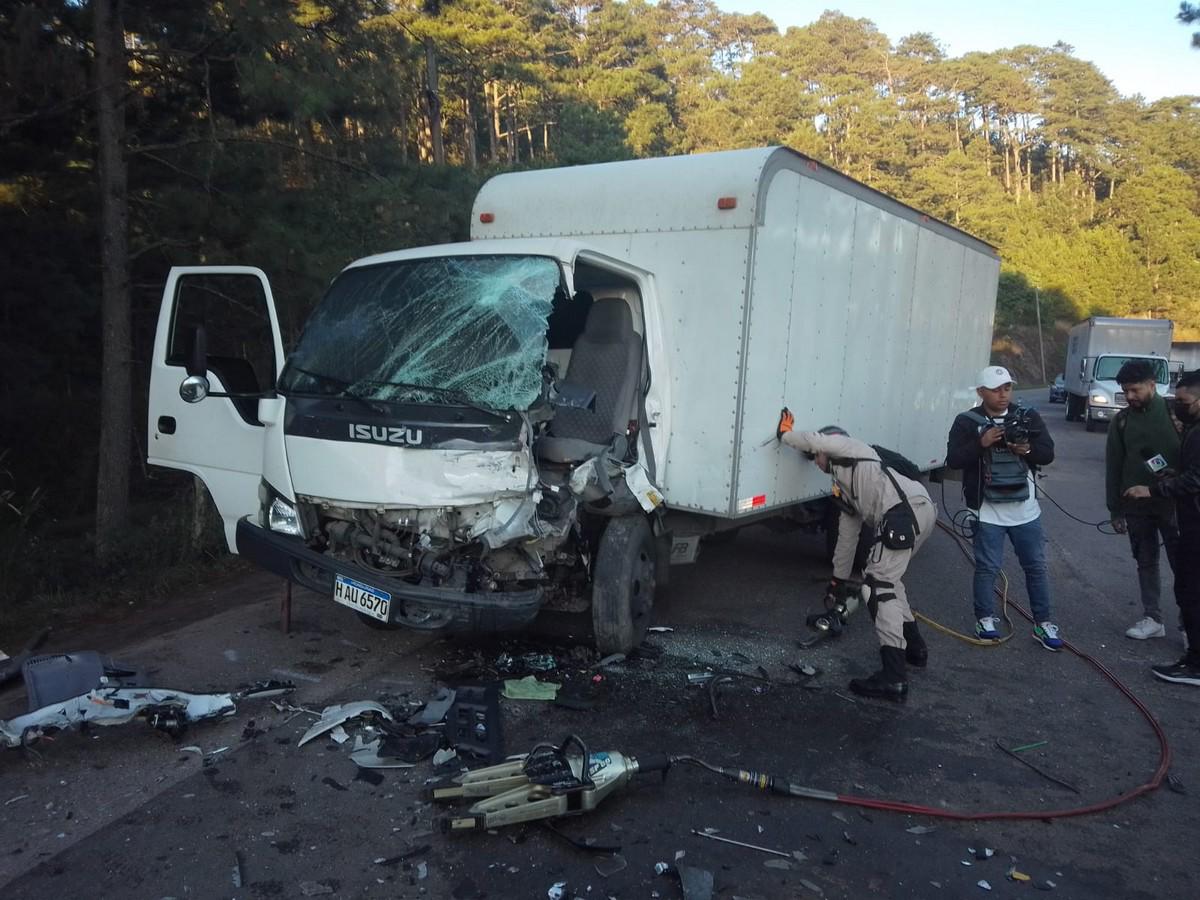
column 1146, row 628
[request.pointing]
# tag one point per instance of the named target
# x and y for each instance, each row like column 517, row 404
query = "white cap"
column 993, row 377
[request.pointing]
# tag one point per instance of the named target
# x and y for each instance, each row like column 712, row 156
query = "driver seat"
column 607, row 359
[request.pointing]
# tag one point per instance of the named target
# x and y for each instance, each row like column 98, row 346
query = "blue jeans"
column 1030, row 545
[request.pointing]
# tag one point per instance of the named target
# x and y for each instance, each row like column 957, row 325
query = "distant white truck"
column 550, row 413
column 1096, row 350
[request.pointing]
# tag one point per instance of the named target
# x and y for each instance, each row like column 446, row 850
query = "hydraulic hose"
column 765, row 781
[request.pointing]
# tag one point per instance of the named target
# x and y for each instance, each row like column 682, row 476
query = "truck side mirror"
column 194, row 388
column 197, row 364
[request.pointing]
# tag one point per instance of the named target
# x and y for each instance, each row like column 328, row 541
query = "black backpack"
column 898, row 462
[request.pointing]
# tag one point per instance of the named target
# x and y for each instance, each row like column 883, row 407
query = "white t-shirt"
column 1015, row 513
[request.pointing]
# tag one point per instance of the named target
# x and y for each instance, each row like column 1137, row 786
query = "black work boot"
column 915, row 652
column 889, row 683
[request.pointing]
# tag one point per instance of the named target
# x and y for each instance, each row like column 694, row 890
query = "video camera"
column 1019, row 427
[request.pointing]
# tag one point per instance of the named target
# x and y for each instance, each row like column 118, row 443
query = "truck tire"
column 1072, row 412
column 623, row 584
column 1089, row 424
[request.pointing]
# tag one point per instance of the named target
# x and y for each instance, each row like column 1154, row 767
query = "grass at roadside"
column 49, row 576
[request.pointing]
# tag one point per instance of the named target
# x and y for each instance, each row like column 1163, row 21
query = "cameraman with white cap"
column 999, row 447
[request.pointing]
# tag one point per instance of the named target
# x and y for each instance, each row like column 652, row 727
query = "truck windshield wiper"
column 453, row 394
column 344, row 387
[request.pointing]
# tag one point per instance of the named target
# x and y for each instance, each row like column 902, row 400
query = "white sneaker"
column 1146, row 628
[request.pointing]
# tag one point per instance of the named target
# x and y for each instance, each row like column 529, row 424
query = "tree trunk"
column 112, row 475
column 1007, row 172
column 469, row 133
column 494, row 131
column 402, row 125
column 433, row 105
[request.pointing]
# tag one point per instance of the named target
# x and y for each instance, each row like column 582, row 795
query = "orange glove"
column 786, row 423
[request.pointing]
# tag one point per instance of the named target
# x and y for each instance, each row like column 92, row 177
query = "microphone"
column 1155, row 462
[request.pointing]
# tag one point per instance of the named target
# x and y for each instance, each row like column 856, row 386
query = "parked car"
column 1058, row 390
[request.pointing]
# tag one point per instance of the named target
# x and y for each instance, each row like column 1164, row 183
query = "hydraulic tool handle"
column 653, row 762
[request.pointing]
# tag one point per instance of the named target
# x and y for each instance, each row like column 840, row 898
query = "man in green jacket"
column 1142, row 442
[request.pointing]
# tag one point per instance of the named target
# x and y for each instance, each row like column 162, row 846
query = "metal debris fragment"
column 713, row 837
column 333, row 716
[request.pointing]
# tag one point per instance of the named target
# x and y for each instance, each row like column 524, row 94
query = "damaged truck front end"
column 425, row 461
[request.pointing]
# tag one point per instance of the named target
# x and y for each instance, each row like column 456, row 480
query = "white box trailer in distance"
column 415, row 459
column 1097, row 347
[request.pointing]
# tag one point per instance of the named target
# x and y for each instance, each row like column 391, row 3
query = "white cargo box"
column 777, row 281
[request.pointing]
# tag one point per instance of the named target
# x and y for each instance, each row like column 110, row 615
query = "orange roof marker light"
column 727, row 203
column 487, row 218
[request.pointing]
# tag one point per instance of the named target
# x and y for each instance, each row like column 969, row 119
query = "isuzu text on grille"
column 386, row 435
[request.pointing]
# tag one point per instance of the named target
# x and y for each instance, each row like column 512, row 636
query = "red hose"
column 1164, row 763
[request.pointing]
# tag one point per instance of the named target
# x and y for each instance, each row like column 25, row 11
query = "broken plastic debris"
column 610, row 865
column 966, row 862
column 191, row 748
column 660, row 629
column 778, row 863
column 314, row 888
column 529, row 688
column 444, row 756
column 422, row 871
column 662, row 868
column 366, row 756
column 842, row 817
column 697, row 883
column 339, row 735
column 1014, row 875
column 114, row 701
column 557, row 890
column 815, row 888
column 435, row 709
column 333, row 716
column 921, row 829
column 1046, row 885
column 983, row 884
column 985, row 853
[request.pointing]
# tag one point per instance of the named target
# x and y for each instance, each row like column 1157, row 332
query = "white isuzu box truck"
column 1096, row 350
column 467, row 433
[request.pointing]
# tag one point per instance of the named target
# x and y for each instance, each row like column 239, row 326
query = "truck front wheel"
column 623, row 584
column 1073, row 409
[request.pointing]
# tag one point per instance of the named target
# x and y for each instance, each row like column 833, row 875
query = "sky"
column 1137, row 44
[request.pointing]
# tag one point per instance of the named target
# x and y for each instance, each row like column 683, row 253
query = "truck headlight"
column 281, row 517
column 1099, row 398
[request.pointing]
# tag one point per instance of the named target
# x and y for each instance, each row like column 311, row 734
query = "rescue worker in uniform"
column 902, row 513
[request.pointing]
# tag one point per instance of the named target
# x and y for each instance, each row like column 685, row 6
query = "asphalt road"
column 125, row 812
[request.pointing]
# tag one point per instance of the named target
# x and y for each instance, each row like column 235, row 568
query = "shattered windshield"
column 445, row 329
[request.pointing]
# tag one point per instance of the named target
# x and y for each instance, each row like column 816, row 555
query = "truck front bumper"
column 421, row 607
column 1103, row 413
